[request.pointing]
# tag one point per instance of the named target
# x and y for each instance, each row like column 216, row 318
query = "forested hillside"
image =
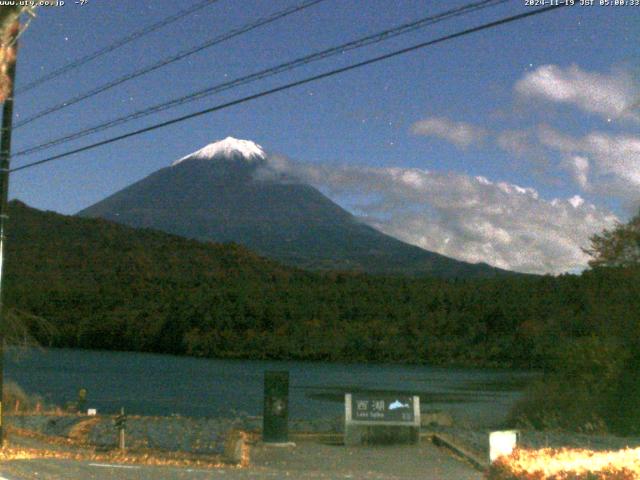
column 108, row 286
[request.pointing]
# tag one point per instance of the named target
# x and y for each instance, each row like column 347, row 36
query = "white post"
column 502, row 443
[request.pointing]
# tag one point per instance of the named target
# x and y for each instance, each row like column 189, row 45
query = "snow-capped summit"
column 228, row 148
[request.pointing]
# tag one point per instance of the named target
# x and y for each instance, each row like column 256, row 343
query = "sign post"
column 121, row 425
column 381, row 418
column 275, row 427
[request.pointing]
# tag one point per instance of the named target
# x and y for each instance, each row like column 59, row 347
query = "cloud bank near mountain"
column 464, row 217
column 474, row 218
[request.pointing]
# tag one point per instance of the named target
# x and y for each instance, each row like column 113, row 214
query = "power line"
column 117, row 44
column 290, row 65
column 291, row 85
column 167, row 61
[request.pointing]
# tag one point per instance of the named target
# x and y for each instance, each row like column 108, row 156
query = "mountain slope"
column 217, row 193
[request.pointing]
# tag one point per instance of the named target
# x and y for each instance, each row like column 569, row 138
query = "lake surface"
column 150, row 384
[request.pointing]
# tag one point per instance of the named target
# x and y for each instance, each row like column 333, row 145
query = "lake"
column 150, row 384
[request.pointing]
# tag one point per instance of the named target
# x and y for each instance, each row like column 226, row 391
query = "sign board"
column 372, row 408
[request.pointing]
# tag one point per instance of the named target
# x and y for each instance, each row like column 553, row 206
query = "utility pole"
column 10, row 56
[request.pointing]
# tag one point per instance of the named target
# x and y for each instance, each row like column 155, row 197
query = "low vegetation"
column 592, row 381
column 592, row 386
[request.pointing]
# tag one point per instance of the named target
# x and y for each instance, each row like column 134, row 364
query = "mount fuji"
column 217, row 194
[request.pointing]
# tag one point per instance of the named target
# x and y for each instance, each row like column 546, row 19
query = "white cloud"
column 579, row 167
column 617, row 155
column 611, row 96
column 577, row 201
column 516, row 142
column 556, row 140
column 599, row 162
column 460, row 134
column 602, row 162
column 468, row 218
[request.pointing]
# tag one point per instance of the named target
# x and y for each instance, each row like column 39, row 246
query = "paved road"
column 307, row 461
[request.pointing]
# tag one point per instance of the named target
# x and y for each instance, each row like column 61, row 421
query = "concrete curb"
column 443, row 440
column 330, row 438
column 478, row 461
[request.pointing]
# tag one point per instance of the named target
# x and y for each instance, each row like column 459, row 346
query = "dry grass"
column 17, row 401
column 81, row 430
column 76, row 447
column 567, row 464
column 141, row 458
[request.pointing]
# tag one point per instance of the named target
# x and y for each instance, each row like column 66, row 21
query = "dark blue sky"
column 538, row 108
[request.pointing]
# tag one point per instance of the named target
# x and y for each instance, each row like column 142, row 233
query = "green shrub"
column 581, row 391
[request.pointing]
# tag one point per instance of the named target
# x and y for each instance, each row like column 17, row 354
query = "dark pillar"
column 275, row 428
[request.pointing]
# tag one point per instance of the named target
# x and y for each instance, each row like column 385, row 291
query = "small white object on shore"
column 92, row 412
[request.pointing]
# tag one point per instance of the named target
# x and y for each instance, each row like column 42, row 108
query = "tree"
column 9, row 28
column 619, row 247
column 23, row 329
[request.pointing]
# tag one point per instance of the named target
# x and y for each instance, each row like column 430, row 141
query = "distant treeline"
column 106, row 286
